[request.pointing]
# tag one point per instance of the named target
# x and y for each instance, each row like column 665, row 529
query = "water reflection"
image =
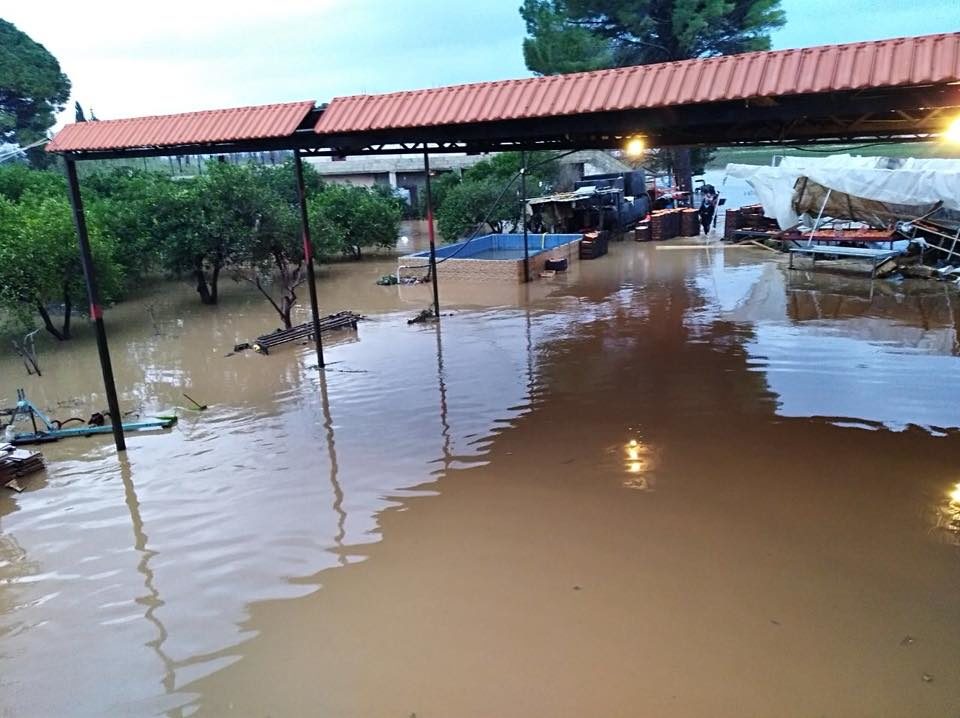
column 447, row 442
column 336, row 488
column 699, row 374
column 639, row 465
column 151, row 600
column 947, row 516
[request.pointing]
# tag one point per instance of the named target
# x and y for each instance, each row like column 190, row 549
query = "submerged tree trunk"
column 286, row 307
column 290, row 277
column 215, row 283
column 48, row 323
column 207, row 289
column 67, row 312
column 202, row 289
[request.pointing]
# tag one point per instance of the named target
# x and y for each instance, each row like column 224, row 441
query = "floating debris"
column 16, row 464
column 425, row 315
column 897, row 216
column 197, row 406
column 45, row 429
column 388, row 280
column 340, row 320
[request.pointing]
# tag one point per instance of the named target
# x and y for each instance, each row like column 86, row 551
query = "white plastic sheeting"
column 931, row 163
column 923, row 182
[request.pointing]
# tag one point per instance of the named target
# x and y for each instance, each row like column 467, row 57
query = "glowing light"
column 635, row 467
column 633, row 450
column 404, row 239
column 955, row 495
column 634, row 147
column 953, row 132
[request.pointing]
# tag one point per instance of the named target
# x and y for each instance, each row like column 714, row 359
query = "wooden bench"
column 876, row 257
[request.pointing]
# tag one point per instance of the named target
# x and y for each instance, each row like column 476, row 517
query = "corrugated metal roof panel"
column 883, row 63
column 191, row 128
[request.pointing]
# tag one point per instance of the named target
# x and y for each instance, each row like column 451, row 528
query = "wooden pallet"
column 340, row 320
column 16, row 464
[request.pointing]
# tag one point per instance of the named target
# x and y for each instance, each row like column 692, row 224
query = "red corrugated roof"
column 884, row 63
column 232, row 125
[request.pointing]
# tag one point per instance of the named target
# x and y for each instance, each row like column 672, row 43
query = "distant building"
column 406, row 171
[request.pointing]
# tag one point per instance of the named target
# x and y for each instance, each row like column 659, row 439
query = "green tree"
column 440, row 184
column 640, row 32
column 481, row 193
column 32, row 90
column 224, row 207
column 126, row 203
column 272, row 260
column 40, row 263
column 555, row 46
column 17, row 179
column 281, row 180
column 471, row 203
column 618, row 33
column 345, row 218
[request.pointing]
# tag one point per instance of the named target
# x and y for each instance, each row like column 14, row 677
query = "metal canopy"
column 210, row 127
column 892, row 89
column 904, row 89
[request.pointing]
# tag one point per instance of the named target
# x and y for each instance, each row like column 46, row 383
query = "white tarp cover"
column 856, row 176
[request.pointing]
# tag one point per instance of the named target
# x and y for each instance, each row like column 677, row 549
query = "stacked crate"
column 593, row 244
column 664, row 224
column 676, row 228
column 689, row 224
column 642, row 232
column 731, row 224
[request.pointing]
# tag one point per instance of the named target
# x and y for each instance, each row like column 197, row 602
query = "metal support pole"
column 308, row 256
column 435, row 280
column 523, row 216
column 96, row 311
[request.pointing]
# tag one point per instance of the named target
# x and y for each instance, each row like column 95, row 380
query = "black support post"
column 434, row 279
column 308, row 256
column 523, row 216
column 96, row 311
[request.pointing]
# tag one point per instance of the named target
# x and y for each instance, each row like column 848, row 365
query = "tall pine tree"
column 32, row 90
column 575, row 35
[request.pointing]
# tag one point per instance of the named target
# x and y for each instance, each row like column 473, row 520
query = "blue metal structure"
column 46, row 429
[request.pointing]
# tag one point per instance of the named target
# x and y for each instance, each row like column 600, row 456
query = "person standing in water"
column 708, row 206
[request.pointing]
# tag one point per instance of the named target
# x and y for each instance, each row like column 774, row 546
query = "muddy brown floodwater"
column 671, row 483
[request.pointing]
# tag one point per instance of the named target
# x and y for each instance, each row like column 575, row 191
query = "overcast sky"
column 128, row 58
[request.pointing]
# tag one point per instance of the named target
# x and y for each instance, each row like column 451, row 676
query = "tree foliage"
column 617, row 33
column 571, row 35
column 17, row 179
column 480, row 194
column 241, row 219
column 555, row 46
column 345, row 218
column 32, row 89
column 130, row 205
column 472, row 202
column 272, row 257
column 40, row 263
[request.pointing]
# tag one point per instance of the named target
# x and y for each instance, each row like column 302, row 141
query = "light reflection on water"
column 152, row 565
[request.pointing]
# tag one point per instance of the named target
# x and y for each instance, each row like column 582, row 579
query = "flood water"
column 669, row 483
